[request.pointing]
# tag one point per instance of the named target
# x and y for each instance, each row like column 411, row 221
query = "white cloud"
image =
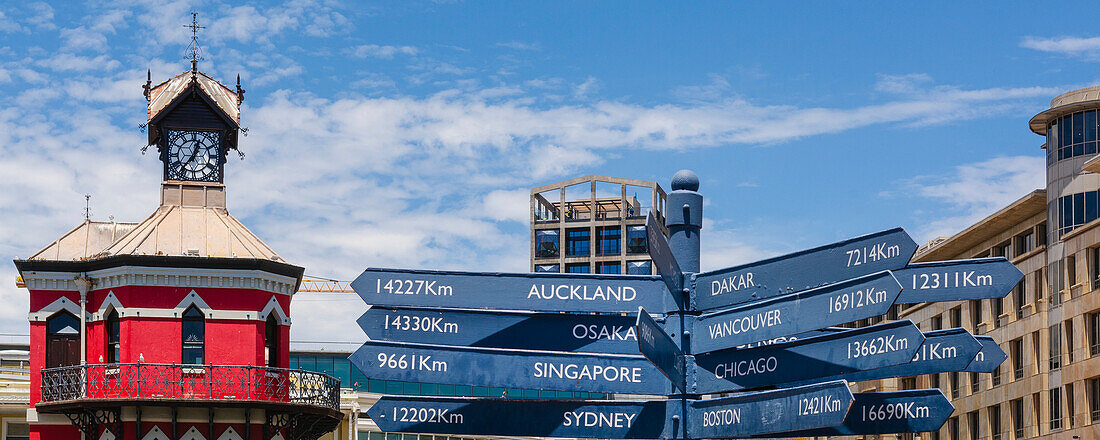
column 68, row 62
column 519, row 45
column 508, row 205
column 903, row 84
column 1088, row 48
column 7, row 24
column 376, row 51
column 974, row 191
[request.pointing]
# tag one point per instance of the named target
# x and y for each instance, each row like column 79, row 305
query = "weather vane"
column 194, row 46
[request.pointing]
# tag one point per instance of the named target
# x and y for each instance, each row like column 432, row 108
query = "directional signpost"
column 680, row 335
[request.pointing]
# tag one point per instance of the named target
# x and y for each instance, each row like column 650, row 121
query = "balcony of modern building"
column 596, row 199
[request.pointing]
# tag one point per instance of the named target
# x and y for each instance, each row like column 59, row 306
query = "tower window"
column 113, row 347
column 62, row 340
column 271, row 341
column 194, row 335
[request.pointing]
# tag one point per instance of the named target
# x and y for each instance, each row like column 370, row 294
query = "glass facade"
column 636, row 240
column 637, row 268
column 338, row 366
column 1072, row 211
column 578, row 268
column 609, row 268
column 546, row 243
column 610, row 238
column 1071, row 136
column 578, row 242
column 547, row 268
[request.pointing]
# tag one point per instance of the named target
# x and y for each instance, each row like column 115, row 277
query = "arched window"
column 113, row 346
column 62, row 340
column 194, row 334
column 271, row 341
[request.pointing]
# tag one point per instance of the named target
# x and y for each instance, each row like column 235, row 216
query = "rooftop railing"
column 202, row 382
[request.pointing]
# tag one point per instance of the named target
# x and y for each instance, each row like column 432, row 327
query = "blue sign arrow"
column 978, row 278
column 942, row 351
column 499, row 329
column 659, row 348
column 789, row 409
column 547, row 292
column 876, row 346
column 662, row 257
column 835, row 304
column 490, row 367
column 526, row 418
column 989, row 358
column 891, row 412
column 856, row 257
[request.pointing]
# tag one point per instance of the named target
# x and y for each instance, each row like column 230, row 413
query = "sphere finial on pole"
column 685, row 180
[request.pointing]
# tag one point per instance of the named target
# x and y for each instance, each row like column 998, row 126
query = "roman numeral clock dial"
column 193, row 155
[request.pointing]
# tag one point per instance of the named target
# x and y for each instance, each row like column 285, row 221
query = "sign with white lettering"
column 788, row 409
column 978, row 278
column 988, row 358
column 500, row 329
column 876, row 346
column 526, row 418
column 942, row 351
column 660, row 349
column 540, row 292
column 856, row 257
column 491, row 367
column 662, row 257
column 834, row 304
column 892, row 412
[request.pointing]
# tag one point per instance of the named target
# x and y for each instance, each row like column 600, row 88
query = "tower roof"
column 162, row 95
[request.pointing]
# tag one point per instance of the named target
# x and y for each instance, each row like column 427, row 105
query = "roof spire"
column 196, row 52
column 148, row 83
column 87, row 206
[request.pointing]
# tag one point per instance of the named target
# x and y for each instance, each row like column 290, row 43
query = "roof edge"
column 171, row 261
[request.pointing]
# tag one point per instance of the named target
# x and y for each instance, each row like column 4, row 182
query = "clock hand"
column 193, row 154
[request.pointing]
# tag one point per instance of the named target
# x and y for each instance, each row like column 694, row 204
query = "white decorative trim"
column 116, row 277
column 230, row 434
column 192, row 299
column 107, row 435
column 155, row 434
column 274, row 306
column 277, row 436
column 59, row 304
column 192, row 434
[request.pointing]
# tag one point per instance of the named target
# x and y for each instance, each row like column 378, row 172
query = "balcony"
column 236, row 385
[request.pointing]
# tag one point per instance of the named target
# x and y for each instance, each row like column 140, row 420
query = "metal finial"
column 240, row 91
column 87, row 206
column 196, row 52
column 148, row 83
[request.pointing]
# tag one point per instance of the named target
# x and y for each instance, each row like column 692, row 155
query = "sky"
column 408, row 134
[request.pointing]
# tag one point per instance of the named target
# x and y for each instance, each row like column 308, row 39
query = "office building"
column 594, row 224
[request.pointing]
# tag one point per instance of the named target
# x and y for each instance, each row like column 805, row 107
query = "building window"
column 1003, row 250
column 996, row 376
column 547, row 268
column 113, row 346
column 1055, row 409
column 62, row 340
column 953, row 428
column 973, row 422
column 636, row 240
column 975, row 385
column 194, row 335
column 1094, row 399
column 1055, row 346
column 577, row 242
column 934, row 380
column 609, row 240
column 1020, row 296
column 909, row 383
column 613, row 268
column 1035, row 356
column 271, row 341
column 1069, row 340
column 1016, row 346
column 975, row 315
column 953, row 380
column 1039, row 286
column 995, row 422
column 956, row 317
column 578, row 268
column 996, row 308
column 1017, row 408
column 1057, row 280
column 1094, row 266
column 937, row 322
column 1074, row 210
column 1070, row 403
column 1025, row 242
column 546, row 244
column 638, row 267
column 1094, row 332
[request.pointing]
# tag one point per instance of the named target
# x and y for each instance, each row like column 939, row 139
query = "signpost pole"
column 684, row 218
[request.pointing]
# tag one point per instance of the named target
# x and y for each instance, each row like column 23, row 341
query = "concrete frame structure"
column 593, row 214
column 1049, row 388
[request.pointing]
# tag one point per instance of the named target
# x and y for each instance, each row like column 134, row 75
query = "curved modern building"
column 1049, row 325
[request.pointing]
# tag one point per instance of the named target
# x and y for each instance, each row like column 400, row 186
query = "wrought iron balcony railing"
column 204, row 382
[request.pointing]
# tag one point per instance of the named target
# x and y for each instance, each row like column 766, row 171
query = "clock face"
column 193, row 155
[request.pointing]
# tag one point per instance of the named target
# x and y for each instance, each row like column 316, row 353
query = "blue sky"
column 407, row 134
